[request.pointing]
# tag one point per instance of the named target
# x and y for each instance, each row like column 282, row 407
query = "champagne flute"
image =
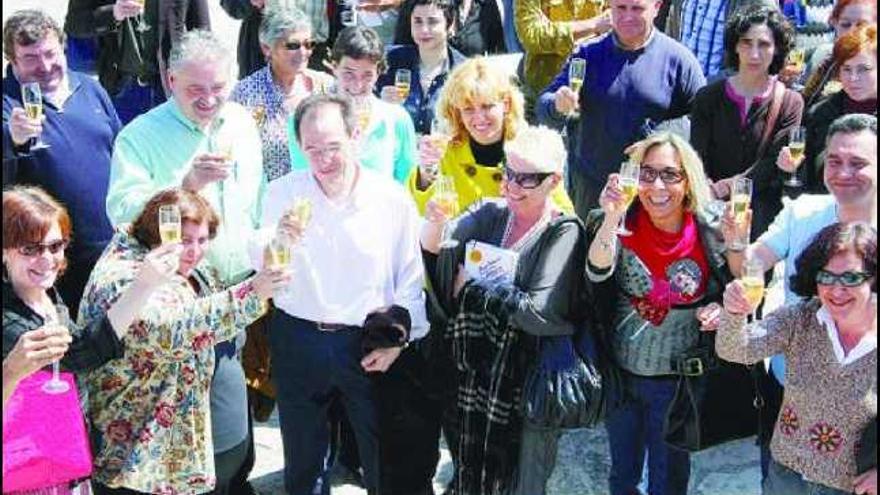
column 32, row 99
column 797, row 144
column 753, row 283
column 577, row 70
column 402, row 81
column 446, row 198
column 439, row 138
column 278, row 253
column 740, row 200
column 170, row 225
column 628, row 182
column 142, row 25
column 55, row 385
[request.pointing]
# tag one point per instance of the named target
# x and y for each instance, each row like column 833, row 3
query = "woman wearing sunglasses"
column 536, row 300
column 272, row 93
column 37, row 328
column 830, row 345
column 653, row 293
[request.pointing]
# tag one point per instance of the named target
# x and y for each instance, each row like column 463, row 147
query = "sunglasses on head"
column 296, row 45
column 845, row 279
column 39, row 248
column 667, row 175
column 526, row 180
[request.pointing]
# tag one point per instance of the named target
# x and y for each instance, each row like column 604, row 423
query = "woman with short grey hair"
column 273, row 92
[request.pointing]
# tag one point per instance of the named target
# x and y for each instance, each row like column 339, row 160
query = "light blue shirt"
column 155, row 152
column 702, row 30
column 388, row 148
column 788, row 236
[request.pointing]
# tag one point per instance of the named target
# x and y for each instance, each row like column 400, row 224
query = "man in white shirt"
column 850, row 174
column 359, row 253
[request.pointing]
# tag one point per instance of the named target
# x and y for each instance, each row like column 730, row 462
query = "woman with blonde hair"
column 483, row 108
column 653, row 293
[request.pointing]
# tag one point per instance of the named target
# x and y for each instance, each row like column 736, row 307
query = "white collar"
column 866, row 345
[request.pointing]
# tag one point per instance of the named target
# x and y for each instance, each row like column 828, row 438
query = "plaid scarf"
column 488, row 353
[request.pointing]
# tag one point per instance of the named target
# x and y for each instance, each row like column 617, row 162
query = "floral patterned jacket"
column 150, row 410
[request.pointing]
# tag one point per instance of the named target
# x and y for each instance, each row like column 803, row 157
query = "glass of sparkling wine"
column 628, row 182
column 446, row 198
column 402, row 81
column 170, row 224
column 741, row 200
column 577, row 70
column 32, row 99
column 55, row 385
column 278, row 252
column 142, row 26
column 797, row 144
column 753, row 283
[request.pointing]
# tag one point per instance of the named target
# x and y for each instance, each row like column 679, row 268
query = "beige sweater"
column 826, row 404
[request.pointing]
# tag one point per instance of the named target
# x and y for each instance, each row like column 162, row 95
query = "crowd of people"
column 384, row 232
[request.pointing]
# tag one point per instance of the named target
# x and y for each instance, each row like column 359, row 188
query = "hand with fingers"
column 612, row 200
column 35, row 350
column 268, row 281
column 22, row 128
column 123, row 9
column 709, row 317
column 160, row 265
column 735, row 300
column 566, row 101
column 206, row 168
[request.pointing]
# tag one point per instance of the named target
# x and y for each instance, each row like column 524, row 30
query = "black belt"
column 695, row 364
column 323, row 326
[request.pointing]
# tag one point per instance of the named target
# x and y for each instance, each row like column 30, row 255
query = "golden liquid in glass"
column 279, row 256
column 170, row 233
column 630, row 190
column 447, row 203
column 740, row 206
column 34, row 111
column 302, row 209
column 575, row 85
column 797, row 150
column 402, row 89
column 754, row 289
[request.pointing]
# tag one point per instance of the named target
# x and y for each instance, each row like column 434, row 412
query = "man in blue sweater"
column 79, row 124
column 637, row 78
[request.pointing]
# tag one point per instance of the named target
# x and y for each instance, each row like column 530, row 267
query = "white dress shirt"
column 355, row 256
column 866, row 345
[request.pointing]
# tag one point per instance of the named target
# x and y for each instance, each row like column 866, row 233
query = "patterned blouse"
column 263, row 98
column 151, row 409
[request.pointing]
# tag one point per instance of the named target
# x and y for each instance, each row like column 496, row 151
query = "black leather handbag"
column 716, row 401
column 569, row 398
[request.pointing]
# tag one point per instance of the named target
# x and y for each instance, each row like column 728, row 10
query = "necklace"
column 533, row 230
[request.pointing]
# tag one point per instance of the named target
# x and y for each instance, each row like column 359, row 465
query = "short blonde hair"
column 476, row 81
column 540, row 146
column 698, row 195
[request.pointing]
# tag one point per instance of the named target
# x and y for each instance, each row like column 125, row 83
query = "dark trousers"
column 583, row 191
column 100, row 489
column 134, row 98
column 310, row 368
column 636, row 429
column 233, row 467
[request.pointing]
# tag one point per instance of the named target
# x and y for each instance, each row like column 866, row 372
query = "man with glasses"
column 199, row 141
column 78, row 124
column 357, row 299
column 850, row 174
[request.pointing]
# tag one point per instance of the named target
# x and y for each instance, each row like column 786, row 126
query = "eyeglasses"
column 296, row 45
column 526, row 180
column 37, row 248
column 667, row 175
column 845, row 279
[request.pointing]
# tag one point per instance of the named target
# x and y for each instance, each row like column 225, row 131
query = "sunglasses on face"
column 845, row 279
column 526, row 180
column 667, row 175
column 296, row 45
column 37, row 248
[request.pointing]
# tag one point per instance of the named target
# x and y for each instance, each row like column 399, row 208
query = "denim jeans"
column 781, row 480
column 636, row 429
column 309, row 369
column 537, row 458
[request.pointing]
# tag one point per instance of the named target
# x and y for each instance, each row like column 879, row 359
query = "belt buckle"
column 327, row 327
column 691, row 367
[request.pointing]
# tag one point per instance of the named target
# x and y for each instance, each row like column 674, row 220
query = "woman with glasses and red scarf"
column 829, row 340
column 37, row 331
column 652, row 292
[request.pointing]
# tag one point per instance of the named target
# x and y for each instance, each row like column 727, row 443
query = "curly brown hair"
column 859, row 237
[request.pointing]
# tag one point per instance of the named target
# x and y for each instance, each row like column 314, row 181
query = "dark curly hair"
column 743, row 20
column 403, row 30
column 830, row 241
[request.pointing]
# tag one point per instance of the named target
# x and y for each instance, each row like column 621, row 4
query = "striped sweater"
column 826, row 404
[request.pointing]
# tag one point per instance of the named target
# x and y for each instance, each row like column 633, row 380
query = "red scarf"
column 678, row 267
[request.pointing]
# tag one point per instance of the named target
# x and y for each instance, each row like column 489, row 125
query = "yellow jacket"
column 547, row 40
column 472, row 181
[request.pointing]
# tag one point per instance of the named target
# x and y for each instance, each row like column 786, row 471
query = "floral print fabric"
column 151, row 408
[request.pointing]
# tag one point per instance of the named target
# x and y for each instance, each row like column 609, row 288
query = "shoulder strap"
column 772, row 117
